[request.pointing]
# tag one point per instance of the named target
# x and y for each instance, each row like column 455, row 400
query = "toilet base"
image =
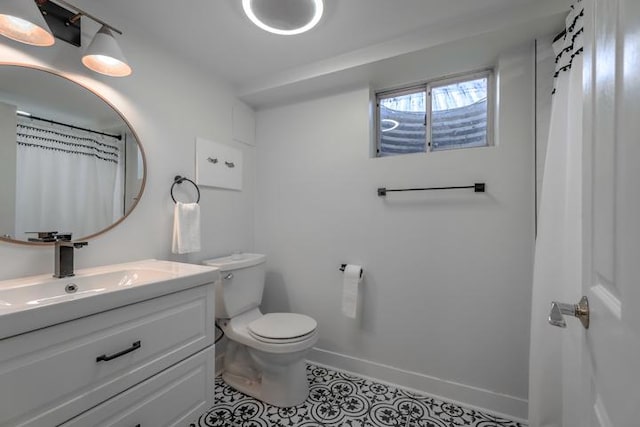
column 281, row 390
column 279, row 380
column 242, row 384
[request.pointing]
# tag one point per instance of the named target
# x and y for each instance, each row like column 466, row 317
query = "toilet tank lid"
column 236, row 261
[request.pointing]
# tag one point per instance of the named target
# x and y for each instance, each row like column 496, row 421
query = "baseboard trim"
column 501, row 405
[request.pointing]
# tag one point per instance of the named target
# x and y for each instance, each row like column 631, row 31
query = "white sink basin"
column 53, row 291
column 35, row 302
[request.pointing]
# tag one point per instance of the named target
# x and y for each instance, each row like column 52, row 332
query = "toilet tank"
column 241, row 283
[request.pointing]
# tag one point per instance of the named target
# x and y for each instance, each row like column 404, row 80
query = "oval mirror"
column 71, row 167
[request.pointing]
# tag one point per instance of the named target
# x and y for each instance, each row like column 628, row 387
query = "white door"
column 610, row 348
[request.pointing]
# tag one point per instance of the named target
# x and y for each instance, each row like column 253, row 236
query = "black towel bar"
column 479, row 187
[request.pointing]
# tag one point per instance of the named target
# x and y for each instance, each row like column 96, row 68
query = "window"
column 436, row 116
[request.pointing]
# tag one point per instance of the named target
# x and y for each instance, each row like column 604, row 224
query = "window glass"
column 459, row 115
column 434, row 116
column 401, row 124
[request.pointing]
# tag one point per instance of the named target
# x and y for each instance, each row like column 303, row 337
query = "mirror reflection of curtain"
column 68, row 180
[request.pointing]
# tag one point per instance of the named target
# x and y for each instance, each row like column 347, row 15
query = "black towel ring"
column 179, row 180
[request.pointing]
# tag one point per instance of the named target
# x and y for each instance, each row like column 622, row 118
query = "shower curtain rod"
column 118, row 137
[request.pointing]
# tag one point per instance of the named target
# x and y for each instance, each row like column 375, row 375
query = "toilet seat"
column 282, row 328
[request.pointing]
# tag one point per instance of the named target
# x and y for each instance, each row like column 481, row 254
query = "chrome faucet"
column 64, row 257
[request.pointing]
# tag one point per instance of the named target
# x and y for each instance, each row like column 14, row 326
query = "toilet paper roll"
column 350, row 288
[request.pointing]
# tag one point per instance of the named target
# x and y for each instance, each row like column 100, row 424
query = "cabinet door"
column 175, row 397
column 50, row 375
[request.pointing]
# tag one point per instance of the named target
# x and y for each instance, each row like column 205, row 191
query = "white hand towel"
column 186, row 228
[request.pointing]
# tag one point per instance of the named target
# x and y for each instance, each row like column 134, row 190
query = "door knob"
column 580, row 310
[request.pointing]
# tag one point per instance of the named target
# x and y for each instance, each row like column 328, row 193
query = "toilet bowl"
column 265, row 354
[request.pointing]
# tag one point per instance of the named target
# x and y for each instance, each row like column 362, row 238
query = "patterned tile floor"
column 337, row 399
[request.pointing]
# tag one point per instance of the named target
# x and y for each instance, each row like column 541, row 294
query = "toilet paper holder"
column 343, row 266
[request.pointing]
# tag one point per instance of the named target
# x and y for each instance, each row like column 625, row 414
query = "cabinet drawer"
column 50, row 375
column 174, row 397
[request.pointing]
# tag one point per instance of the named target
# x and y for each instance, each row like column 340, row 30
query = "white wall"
column 8, row 153
column 446, row 296
column 546, row 64
column 168, row 103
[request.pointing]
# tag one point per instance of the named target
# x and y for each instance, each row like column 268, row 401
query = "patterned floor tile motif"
column 338, row 399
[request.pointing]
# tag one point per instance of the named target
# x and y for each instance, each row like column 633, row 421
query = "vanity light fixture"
column 104, row 55
column 284, row 17
column 41, row 20
column 22, row 21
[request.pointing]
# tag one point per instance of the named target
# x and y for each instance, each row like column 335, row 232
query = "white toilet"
column 265, row 353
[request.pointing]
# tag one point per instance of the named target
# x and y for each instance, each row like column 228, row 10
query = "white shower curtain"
column 67, row 180
column 558, row 256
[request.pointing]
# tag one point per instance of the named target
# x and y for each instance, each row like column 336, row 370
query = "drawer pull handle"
column 104, row 358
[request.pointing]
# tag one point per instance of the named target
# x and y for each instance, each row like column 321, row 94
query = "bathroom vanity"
column 127, row 345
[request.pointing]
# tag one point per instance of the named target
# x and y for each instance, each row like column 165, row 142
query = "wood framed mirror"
column 71, row 165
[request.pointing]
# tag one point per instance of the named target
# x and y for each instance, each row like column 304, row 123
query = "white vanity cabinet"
column 174, row 397
column 148, row 364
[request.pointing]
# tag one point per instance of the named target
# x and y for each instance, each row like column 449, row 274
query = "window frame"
column 427, row 88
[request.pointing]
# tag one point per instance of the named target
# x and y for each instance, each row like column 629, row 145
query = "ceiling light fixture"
column 22, row 21
column 393, row 124
column 284, row 17
column 41, row 25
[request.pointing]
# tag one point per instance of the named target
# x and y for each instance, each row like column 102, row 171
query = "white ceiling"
column 217, row 35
